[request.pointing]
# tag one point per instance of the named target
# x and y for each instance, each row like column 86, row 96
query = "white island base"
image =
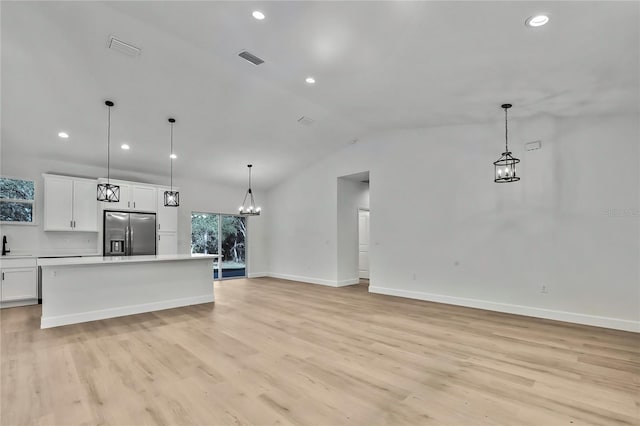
column 76, row 290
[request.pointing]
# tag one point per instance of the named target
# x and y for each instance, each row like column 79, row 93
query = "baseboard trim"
column 309, row 280
column 257, row 275
column 16, row 303
column 597, row 321
column 48, row 322
column 351, row 281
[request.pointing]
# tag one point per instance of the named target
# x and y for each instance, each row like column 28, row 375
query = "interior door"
column 363, row 241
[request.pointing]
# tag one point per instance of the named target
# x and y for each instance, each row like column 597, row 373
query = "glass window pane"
column 16, row 189
column 234, row 233
column 16, row 212
column 204, row 233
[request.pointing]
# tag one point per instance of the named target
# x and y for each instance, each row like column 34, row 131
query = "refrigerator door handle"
column 127, row 245
column 130, row 240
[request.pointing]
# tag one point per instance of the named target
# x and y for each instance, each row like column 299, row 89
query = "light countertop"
column 108, row 260
column 32, row 255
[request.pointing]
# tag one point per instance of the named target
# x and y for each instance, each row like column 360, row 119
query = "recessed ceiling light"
column 536, row 21
column 258, row 15
column 173, row 156
column 125, row 146
column 310, row 80
column 63, row 135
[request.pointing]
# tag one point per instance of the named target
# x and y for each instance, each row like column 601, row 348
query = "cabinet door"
column 168, row 243
column 144, row 198
column 58, row 203
column 18, row 284
column 125, row 199
column 167, row 217
column 85, row 206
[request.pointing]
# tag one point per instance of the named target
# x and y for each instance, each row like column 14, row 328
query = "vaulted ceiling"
column 378, row 66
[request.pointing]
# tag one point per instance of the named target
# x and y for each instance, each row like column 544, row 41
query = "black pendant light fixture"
column 171, row 198
column 250, row 209
column 108, row 192
column 505, row 167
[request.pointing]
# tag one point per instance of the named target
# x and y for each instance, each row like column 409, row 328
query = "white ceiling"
column 378, row 66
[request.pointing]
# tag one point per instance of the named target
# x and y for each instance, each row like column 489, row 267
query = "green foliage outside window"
column 16, row 200
column 205, row 236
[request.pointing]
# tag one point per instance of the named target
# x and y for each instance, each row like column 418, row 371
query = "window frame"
column 13, row 200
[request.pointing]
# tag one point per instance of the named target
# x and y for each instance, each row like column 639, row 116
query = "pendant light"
column 171, row 198
column 251, row 209
column 505, row 166
column 106, row 191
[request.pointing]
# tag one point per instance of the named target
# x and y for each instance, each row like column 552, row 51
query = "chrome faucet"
column 5, row 250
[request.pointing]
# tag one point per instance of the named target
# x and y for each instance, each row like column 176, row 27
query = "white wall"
column 352, row 195
column 194, row 196
column 442, row 230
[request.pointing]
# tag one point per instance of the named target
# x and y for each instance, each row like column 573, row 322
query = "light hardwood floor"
column 278, row 352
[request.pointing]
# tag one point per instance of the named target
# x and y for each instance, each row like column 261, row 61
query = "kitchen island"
column 82, row 289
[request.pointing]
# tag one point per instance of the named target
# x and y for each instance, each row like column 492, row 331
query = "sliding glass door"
column 213, row 233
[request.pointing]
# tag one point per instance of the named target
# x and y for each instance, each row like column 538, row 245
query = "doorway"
column 213, row 233
column 363, row 244
column 353, row 202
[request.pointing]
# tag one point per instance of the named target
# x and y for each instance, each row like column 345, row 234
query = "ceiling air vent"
column 306, row 121
column 251, row 58
column 531, row 146
column 122, row 47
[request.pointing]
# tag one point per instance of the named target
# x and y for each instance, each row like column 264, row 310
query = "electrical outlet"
column 544, row 289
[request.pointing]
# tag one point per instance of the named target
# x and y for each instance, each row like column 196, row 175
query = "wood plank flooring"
column 278, row 352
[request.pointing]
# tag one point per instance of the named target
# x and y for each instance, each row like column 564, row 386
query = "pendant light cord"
column 506, row 132
column 170, row 158
column 109, row 145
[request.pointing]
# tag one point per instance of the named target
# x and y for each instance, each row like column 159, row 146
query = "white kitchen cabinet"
column 125, row 197
column 167, row 243
column 85, row 206
column 167, row 217
column 70, row 204
column 133, row 197
column 143, row 198
column 19, row 282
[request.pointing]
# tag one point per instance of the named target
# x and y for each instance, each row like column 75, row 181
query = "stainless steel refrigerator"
column 129, row 234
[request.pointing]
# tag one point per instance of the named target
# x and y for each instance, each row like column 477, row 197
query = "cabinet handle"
column 158, row 227
column 128, row 203
column 134, row 204
column 3, row 276
column 70, row 224
column 158, row 237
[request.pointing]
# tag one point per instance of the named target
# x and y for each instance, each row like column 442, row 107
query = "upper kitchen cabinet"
column 133, row 196
column 167, row 217
column 125, row 197
column 70, row 204
column 143, row 198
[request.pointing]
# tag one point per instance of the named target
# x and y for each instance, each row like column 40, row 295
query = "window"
column 16, row 200
column 221, row 234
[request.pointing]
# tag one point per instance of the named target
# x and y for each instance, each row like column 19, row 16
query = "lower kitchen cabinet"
column 167, row 243
column 19, row 285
